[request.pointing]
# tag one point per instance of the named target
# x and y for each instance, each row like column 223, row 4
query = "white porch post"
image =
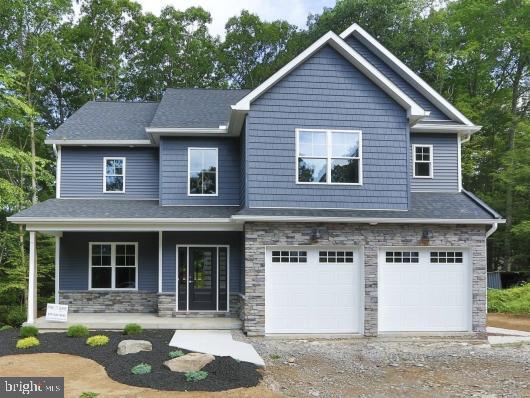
column 159, row 261
column 57, row 264
column 32, row 288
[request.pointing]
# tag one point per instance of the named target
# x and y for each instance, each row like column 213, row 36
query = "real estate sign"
column 57, row 312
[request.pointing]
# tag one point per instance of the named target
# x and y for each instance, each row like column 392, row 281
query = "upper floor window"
column 329, row 157
column 202, row 171
column 422, row 161
column 114, row 175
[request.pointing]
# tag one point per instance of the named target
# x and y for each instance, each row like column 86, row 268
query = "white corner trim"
column 98, row 142
column 123, row 159
column 58, row 167
column 405, row 72
column 414, row 110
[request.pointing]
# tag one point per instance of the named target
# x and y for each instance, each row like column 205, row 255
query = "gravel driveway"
column 397, row 368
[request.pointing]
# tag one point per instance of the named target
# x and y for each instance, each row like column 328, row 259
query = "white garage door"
column 424, row 290
column 312, row 290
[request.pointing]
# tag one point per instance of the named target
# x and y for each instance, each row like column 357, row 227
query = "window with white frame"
column 114, row 175
column 329, row 156
column 113, row 265
column 422, row 161
column 202, row 171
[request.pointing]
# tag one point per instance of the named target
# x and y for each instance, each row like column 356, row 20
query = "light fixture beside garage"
column 426, row 236
column 317, row 234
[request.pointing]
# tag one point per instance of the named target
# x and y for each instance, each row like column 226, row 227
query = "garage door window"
column 402, row 257
column 335, row 257
column 289, row 256
column 447, row 257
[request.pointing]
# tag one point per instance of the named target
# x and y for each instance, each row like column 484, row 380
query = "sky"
column 294, row 11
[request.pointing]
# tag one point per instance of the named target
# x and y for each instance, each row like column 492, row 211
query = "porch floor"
column 116, row 321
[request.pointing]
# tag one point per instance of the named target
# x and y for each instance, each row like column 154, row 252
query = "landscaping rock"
column 191, row 362
column 133, row 346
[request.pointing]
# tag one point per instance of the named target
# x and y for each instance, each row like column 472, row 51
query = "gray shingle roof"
column 105, row 120
column 196, row 107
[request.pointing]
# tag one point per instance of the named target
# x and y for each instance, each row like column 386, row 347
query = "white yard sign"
column 56, row 312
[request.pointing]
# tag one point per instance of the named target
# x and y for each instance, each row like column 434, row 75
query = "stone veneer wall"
column 370, row 238
column 166, row 307
column 105, row 301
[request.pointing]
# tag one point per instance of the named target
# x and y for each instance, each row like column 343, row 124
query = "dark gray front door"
column 203, row 278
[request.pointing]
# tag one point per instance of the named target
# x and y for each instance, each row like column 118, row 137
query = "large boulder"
column 191, row 362
column 133, row 346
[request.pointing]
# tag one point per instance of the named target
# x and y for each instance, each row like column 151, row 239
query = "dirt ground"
column 509, row 321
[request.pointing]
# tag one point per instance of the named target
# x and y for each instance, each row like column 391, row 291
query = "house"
column 327, row 200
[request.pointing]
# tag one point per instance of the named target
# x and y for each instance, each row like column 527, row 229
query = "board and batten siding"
column 326, row 92
column 170, row 241
column 74, row 262
column 82, row 172
column 174, row 171
column 436, row 114
column 445, row 162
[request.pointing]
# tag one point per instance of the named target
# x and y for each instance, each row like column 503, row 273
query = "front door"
column 203, row 278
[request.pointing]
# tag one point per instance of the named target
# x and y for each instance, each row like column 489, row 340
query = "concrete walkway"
column 216, row 342
column 508, row 336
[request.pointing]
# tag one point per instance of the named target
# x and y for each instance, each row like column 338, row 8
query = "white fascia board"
column 187, row 130
column 415, row 111
column 444, row 128
column 361, row 220
column 98, row 142
column 110, row 221
column 132, row 227
column 404, row 71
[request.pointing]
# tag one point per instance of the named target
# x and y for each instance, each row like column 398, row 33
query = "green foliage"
column 77, row 331
column 196, row 375
column 88, row 394
column 16, row 316
column 27, row 342
column 513, row 301
column 29, row 331
column 132, row 328
column 141, row 369
column 98, row 340
column 5, row 327
column 175, row 354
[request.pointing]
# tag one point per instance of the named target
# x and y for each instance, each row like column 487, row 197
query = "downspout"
column 461, row 140
column 491, row 230
column 54, row 146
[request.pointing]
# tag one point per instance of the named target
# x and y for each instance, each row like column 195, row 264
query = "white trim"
column 105, row 159
column 160, row 265
column 98, row 142
column 360, row 220
column 329, row 156
column 415, row 111
column 459, row 162
column 113, row 266
column 425, row 127
column 125, row 227
column 57, row 266
column 216, row 171
column 490, row 231
column 406, row 73
column 58, row 170
column 32, row 278
column 187, row 130
column 431, row 161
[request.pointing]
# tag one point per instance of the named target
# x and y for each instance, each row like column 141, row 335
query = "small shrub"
column 6, row 327
column 132, row 328
column 77, row 331
column 275, row 356
column 16, row 316
column 175, row 354
column 96, row 341
column 88, row 394
column 29, row 331
column 28, row 342
column 511, row 301
column 141, row 369
column 196, row 376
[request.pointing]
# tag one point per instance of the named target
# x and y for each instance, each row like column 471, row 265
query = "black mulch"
column 224, row 373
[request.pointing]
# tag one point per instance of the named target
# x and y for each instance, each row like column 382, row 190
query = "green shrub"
column 175, row 354
column 132, row 328
column 96, row 341
column 141, row 369
column 77, row 331
column 28, row 342
column 6, row 327
column 196, row 376
column 29, row 331
column 88, row 394
column 513, row 301
column 16, row 316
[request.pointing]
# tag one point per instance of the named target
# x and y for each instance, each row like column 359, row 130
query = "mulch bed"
column 223, row 373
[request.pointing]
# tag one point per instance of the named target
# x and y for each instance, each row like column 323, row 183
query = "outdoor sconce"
column 426, row 236
column 316, row 235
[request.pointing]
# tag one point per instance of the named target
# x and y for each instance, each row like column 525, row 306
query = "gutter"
column 491, row 230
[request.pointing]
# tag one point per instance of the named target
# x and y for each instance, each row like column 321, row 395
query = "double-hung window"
column 422, row 155
column 328, row 156
column 114, row 175
column 202, row 172
column 113, row 265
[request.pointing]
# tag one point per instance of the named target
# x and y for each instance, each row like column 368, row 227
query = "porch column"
column 57, row 264
column 32, row 288
column 160, row 237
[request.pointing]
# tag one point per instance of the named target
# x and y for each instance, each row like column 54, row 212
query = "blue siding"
column 445, row 165
column 436, row 114
column 82, row 172
column 172, row 239
column 174, row 173
column 74, row 257
column 326, row 92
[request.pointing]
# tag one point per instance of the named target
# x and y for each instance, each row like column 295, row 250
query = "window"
column 402, row 257
column 113, row 265
column 202, row 171
column 328, row 157
column 335, row 257
column 446, row 257
column 422, row 161
column 114, row 175
column 289, row 256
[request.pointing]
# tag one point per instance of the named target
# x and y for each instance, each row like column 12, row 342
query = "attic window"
column 114, row 175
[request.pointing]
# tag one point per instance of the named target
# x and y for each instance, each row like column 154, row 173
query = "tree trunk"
column 34, row 199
